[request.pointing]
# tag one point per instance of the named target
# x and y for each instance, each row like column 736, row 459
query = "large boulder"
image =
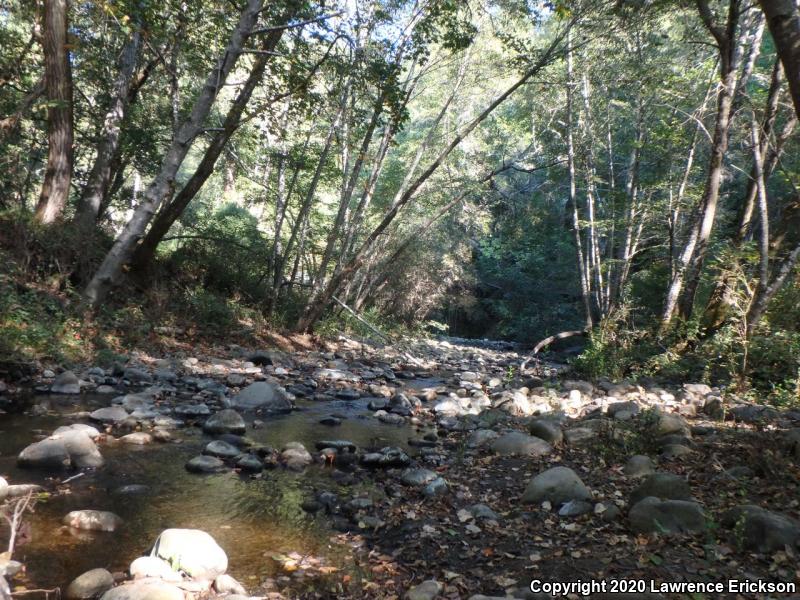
column 152, row 566
column 66, row 383
column 758, row 529
column 652, row 515
column 92, row 432
column 662, row 485
column 192, row 551
column 83, row 452
column 91, row 584
column 557, row 485
column 93, row 520
column 521, row 444
column 225, row 421
column 145, row 589
column 263, row 395
column 47, row 454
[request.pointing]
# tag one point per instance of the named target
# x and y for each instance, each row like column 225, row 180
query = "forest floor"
column 458, row 511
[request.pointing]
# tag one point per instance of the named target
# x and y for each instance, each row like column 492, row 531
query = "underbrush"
column 764, row 368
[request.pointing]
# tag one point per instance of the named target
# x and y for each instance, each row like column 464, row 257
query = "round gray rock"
column 225, row 421
column 662, row 485
column 557, row 485
column 91, row 584
column 516, row 443
column 652, row 515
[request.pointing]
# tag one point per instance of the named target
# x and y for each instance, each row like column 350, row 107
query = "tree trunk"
column 100, row 176
column 110, row 271
column 171, row 211
column 58, row 83
column 783, row 20
column 763, row 219
column 693, row 255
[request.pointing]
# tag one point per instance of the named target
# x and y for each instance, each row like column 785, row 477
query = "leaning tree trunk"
column 58, row 84
column 171, row 211
column 111, row 270
column 100, row 176
column 783, row 20
column 693, row 255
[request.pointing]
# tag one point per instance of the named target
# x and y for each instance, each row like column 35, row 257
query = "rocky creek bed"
column 430, row 469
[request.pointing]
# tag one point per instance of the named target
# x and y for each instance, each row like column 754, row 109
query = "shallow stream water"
column 251, row 519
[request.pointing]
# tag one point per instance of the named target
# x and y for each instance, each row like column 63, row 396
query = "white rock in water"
column 93, row 520
column 192, row 551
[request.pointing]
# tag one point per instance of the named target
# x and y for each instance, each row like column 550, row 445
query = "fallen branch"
column 549, row 340
column 363, row 321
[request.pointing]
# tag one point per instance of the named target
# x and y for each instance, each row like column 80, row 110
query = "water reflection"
column 248, row 518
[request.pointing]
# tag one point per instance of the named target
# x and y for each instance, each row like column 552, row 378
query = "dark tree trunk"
column 58, row 85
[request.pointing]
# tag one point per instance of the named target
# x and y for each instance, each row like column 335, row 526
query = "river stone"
column 250, row 463
column 580, row 435
column 675, row 451
column 651, row 515
column 225, row 421
column 146, row 589
column 639, row 465
column 225, row 584
column 66, row 383
column 669, row 423
column 295, row 456
column 205, row 464
column 435, row 488
column 427, row 590
column 192, row 551
column 83, row 452
column 630, row 408
column 47, row 454
column 3, row 489
column 92, row 432
column 193, row 410
column 136, row 375
column 93, row 520
column 221, row 449
column 91, row 584
column 418, row 477
column 575, row 508
column 139, row 438
column 547, row 430
column 386, row 458
column 557, row 485
column 662, row 485
column 520, row 444
column 109, row 414
column 152, row 566
column 480, row 436
column 758, row 529
column 338, row 445
column 264, row 396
